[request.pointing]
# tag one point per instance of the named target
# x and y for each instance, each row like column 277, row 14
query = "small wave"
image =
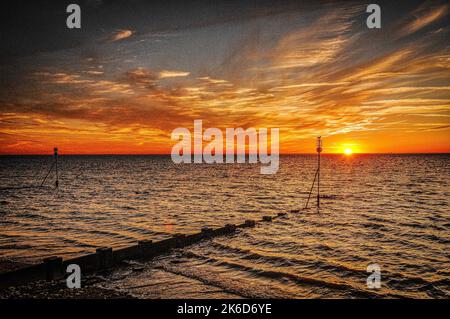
column 324, row 247
column 286, row 275
column 375, row 226
column 128, row 207
column 413, row 284
column 330, row 196
column 33, row 216
column 377, row 219
column 414, row 225
column 430, row 237
column 13, row 246
column 280, row 275
column 231, row 285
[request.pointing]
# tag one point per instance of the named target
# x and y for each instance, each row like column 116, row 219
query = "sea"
column 379, row 213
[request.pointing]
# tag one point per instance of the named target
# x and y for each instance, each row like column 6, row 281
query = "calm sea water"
column 392, row 210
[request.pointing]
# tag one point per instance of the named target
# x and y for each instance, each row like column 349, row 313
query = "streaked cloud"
column 424, row 16
column 172, row 74
column 121, row 34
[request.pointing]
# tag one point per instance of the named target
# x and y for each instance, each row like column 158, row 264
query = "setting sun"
column 348, row 151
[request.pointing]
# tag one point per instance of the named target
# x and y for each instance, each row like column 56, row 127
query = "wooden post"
column 53, row 268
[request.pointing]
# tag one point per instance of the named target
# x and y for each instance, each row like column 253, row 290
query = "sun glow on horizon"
column 348, row 151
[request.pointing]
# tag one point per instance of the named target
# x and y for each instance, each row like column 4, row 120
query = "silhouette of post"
column 319, row 150
column 56, row 166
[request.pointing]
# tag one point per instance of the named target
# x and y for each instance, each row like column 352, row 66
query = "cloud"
column 323, row 76
column 61, row 78
column 121, row 34
column 93, row 72
column 141, row 77
column 423, row 17
column 172, row 74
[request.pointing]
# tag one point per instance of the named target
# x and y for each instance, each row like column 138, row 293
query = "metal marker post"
column 319, row 150
column 56, row 166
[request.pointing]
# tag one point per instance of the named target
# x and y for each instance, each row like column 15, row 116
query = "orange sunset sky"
column 135, row 72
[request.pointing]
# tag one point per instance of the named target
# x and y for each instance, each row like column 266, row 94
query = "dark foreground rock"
column 59, row 290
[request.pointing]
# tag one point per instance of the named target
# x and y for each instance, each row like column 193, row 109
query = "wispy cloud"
column 121, row 34
column 172, row 74
column 424, row 16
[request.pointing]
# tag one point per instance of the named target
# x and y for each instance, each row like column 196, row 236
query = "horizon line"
column 168, row 154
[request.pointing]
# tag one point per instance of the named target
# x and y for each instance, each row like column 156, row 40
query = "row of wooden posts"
column 53, row 268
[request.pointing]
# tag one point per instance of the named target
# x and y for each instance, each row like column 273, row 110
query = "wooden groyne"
column 54, row 268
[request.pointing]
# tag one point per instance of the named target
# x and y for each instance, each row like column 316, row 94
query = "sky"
column 135, row 71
